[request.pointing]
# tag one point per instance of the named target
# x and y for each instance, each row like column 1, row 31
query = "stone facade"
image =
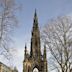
column 5, row 68
column 35, row 61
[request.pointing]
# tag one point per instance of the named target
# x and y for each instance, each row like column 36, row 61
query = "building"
column 4, row 68
column 35, row 61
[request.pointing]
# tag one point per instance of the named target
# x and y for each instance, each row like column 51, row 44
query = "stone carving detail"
column 35, row 61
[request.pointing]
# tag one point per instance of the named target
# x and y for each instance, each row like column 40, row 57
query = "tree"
column 57, row 35
column 7, row 24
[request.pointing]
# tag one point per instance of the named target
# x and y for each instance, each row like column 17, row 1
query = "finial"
column 35, row 15
column 25, row 51
column 44, row 51
column 35, row 23
column 25, row 46
column 35, row 11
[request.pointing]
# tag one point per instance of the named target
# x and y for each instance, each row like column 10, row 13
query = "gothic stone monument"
column 35, row 61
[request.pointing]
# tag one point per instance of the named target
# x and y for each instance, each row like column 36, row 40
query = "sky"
column 46, row 10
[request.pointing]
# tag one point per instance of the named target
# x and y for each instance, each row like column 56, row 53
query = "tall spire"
column 35, row 23
column 25, row 54
column 35, row 39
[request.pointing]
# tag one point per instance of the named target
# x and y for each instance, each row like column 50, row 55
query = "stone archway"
column 35, row 70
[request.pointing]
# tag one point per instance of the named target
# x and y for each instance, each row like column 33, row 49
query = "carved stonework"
column 35, row 62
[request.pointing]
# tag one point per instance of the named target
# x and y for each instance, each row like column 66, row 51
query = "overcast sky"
column 46, row 10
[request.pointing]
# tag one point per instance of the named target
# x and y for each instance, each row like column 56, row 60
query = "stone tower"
column 35, row 61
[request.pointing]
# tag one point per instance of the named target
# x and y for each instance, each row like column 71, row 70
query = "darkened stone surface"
column 35, row 59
